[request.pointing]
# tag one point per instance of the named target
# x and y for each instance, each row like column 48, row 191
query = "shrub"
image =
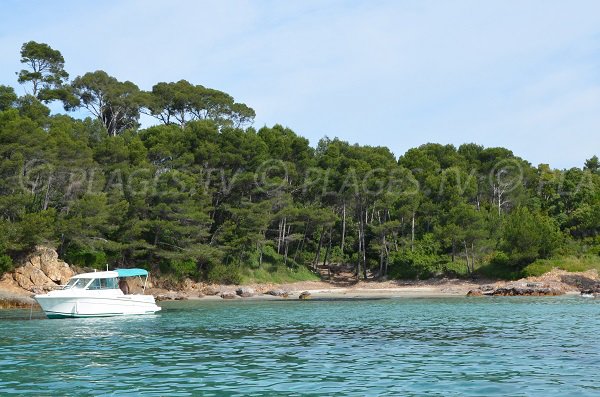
column 220, row 273
column 86, row 258
column 413, row 264
column 184, row 268
column 6, row 264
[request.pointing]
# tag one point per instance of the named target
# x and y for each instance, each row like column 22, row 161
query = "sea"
column 454, row 346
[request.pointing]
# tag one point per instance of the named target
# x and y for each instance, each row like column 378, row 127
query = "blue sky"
column 520, row 74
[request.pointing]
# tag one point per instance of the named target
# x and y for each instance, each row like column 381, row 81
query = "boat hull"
column 86, row 306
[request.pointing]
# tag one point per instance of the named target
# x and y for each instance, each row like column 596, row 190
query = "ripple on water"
column 445, row 347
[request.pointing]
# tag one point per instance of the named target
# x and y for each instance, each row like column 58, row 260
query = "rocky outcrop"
column 41, row 271
column 245, row 292
column 304, row 295
column 517, row 288
column 591, row 291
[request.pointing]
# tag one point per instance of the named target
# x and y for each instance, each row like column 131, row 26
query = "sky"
column 524, row 75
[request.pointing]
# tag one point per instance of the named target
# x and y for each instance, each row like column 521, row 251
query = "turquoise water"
column 446, row 347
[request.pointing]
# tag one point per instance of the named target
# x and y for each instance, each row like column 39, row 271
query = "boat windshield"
column 77, row 283
column 104, row 283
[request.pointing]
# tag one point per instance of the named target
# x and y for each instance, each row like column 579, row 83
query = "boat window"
column 104, row 283
column 77, row 283
column 112, row 283
column 95, row 284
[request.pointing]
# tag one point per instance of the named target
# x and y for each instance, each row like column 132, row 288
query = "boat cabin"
column 103, row 280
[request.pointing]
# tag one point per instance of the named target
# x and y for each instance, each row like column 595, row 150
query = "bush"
column 86, row 258
column 184, row 268
column 423, row 262
column 528, row 236
column 499, row 265
column 219, row 273
column 413, row 264
column 499, row 259
column 570, row 264
column 6, row 264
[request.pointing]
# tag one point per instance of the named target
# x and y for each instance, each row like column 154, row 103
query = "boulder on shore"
column 245, row 292
column 278, row 292
column 519, row 288
column 304, row 295
column 228, row 295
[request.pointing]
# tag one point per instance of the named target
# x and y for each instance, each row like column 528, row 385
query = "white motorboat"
column 98, row 294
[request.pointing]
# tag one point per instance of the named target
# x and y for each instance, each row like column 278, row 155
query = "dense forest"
column 203, row 194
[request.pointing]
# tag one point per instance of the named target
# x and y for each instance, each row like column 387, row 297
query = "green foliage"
column 225, row 274
column 277, row 274
column 6, row 263
column 45, row 69
column 422, row 262
column 198, row 196
column 7, row 97
column 184, row 268
column 116, row 104
column 569, row 263
column 528, row 236
column 182, row 102
column 86, row 258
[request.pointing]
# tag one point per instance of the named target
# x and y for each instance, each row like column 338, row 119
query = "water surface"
column 447, row 347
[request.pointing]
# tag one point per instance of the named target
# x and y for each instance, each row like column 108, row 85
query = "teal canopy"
column 131, row 272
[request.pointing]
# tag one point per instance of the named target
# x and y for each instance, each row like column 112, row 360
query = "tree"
column 116, row 104
column 592, row 164
column 46, row 70
column 181, row 102
column 8, row 98
column 527, row 236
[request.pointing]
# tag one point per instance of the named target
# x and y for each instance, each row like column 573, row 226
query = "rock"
column 590, row 293
column 39, row 278
column 171, row 296
column 304, row 295
column 228, row 295
column 30, row 276
column 245, row 292
column 46, row 260
column 210, row 290
column 525, row 290
column 278, row 292
column 475, row 292
column 23, row 280
column 517, row 288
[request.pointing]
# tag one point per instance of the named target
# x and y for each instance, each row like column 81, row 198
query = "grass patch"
column 568, row 263
column 277, row 274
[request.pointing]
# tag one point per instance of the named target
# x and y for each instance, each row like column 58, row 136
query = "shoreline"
column 556, row 282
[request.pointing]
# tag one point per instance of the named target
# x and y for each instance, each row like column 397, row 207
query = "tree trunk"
column 301, row 243
column 358, row 257
column 364, row 246
column 327, row 257
column 318, row 255
column 287, row 244
column 47, row 195
column 279, row 235
column 412, row 233
column 343, row 226
column 467, row 256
